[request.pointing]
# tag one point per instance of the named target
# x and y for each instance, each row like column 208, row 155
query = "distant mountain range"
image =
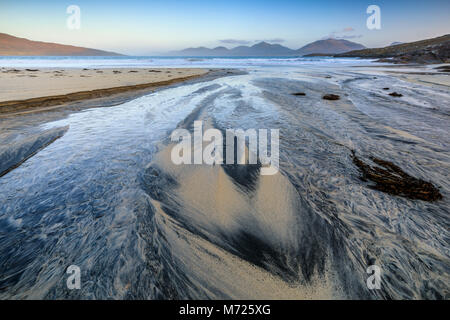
column 14, row 46
column 262, row 49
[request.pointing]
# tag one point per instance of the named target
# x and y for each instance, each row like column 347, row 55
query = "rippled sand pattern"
column 106, row 197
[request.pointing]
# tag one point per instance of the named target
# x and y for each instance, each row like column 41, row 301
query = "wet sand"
column 429, row 75
column 25, row 90
column 106, row 196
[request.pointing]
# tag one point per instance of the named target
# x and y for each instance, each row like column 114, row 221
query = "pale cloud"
column 352, row 36
column 234, row 41
column 246, row 42
column 343, row 34
column 275, row 40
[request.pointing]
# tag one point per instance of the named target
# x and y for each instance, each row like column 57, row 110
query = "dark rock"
column 391, row 179
column 395, row 94
column 299, row 94
column 331, row 97
column 385, row 88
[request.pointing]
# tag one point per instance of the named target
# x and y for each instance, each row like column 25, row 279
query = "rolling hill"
column 435, row 50
column 14, row 46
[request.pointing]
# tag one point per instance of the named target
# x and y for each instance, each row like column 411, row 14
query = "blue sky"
column 151, row 27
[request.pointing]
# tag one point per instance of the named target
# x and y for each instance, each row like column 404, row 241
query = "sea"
column 164, row 61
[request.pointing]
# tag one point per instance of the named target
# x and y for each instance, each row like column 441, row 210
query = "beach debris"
column 395, row 94
column 154, row 70
column 328, row 77
column 116, row 71
column 132, row 71
column 331, row 97
column 391, row 179
column 386, row 88
column 32, row 70
column 298, row 94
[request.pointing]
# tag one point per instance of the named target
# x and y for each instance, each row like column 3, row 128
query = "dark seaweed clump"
column 443, row 68
column 299, row 94
column 389, row 178
column 331, row 97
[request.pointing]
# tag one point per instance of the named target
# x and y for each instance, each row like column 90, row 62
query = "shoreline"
column 106, row 87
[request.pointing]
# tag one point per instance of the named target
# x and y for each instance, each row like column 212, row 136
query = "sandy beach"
column 30, row 89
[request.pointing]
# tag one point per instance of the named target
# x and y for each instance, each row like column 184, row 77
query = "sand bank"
column 26, row 89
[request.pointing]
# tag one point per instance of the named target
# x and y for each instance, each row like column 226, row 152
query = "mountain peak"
column 330, row 46
column 262, row 44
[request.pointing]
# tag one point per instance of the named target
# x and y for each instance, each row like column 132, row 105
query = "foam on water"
column 170, row 62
